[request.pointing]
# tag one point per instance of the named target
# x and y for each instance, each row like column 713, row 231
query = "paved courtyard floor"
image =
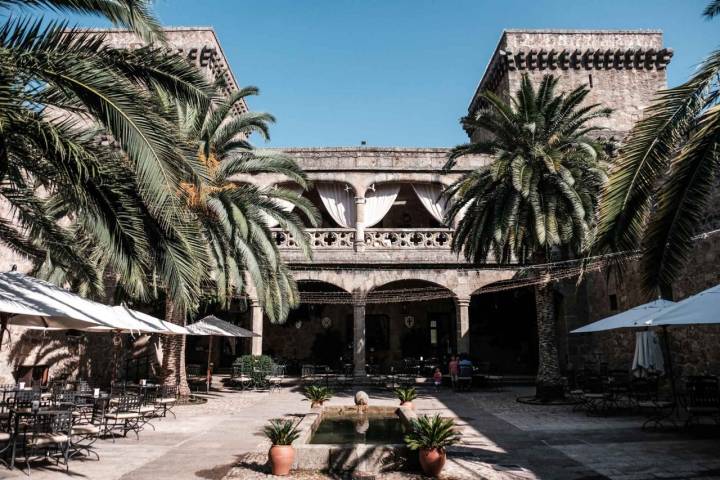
column 502, row 440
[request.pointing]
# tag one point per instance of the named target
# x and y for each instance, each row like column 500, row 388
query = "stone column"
column 359, row 337
column 360, row 224
column 256, row 311
column 462, row 320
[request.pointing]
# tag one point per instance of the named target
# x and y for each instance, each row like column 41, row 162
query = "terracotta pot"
column 408, row 405
column 281, row 459
column 316, row 404
column 432, row 461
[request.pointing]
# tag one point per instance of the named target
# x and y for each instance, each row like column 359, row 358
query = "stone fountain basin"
column 362, row 457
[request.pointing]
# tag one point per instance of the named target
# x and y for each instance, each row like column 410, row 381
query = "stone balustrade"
column 375, row 238
column 415, row 238
column 319, row 238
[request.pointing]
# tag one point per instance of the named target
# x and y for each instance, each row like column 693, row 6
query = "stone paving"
column 503, row 439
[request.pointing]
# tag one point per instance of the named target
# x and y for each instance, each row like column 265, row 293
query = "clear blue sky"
column 401, row 72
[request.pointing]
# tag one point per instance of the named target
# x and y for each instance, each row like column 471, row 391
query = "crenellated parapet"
column 623, row 69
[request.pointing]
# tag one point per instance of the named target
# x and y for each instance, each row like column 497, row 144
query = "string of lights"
column 529, row 276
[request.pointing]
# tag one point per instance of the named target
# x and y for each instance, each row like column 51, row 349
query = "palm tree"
column 537, row 200
column 233, row 214
column 662, row 183
column 60, row 90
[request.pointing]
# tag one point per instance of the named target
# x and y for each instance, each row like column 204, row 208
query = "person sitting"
column 465, row 373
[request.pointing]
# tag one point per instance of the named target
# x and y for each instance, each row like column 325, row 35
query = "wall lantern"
column 326, row 322
column 409, row 321
column 298, row 324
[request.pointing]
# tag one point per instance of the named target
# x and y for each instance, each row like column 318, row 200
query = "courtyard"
column 502, row 439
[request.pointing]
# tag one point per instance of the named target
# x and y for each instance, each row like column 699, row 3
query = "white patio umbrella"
column 648, row 357
column 31, row 302
column 700, row 309
column 633, row 318
column 211, row 326
column 136, row 321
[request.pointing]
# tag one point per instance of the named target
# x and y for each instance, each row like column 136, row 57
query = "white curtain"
column 430, row 195
column 282, row 203
column 379, row 202
column 339, row 201
column 648, row 354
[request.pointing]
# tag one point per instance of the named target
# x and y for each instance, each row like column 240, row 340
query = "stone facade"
column 410, row 247
column 694, row 348
column 623, row 69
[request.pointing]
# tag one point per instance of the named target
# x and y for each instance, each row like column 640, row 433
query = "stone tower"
column 622, row 68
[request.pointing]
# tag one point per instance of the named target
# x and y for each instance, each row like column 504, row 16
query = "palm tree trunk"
column 173, row 365
column 549, row 379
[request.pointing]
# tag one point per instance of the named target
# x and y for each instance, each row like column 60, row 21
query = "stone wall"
column 695, row 349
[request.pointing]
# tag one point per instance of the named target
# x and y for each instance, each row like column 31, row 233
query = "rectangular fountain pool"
column 372, row 428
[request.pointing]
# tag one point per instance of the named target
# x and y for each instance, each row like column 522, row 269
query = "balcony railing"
column 325, row 238
column 375, row 238
column 410, row 238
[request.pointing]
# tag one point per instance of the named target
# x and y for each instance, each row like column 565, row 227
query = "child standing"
column 437, row 379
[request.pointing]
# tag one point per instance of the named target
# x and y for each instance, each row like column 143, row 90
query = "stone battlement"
column 622, row 68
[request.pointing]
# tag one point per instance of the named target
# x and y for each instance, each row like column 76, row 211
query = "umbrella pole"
column 208, row 380
column 666, row 341
column 3, row 326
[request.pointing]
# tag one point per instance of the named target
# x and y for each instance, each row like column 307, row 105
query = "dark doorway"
column 503, row 331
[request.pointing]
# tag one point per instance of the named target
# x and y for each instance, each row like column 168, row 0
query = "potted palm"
column 431, row 435
column 406, row 396
column 317, row 395
column 282, row 433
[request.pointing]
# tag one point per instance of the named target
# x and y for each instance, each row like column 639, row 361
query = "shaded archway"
column 314, row 333
column 416, row 324
column 503, row 330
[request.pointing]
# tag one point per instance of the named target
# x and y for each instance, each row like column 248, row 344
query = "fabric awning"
column 136, row 321
column 35, row 303
column 212, row 325
column 633, row 318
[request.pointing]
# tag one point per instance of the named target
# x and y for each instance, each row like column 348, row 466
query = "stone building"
column 382, row 284
column 382, row 244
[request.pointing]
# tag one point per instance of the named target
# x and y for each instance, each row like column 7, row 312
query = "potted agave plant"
column 431, row 436
column 282, row 433
column 317, row 395
column 406, row 396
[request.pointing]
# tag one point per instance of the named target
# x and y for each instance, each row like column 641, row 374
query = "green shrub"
column 406, row 394
column 318, row 394
column 254, row 362
column 432, row 432
column 281, row 431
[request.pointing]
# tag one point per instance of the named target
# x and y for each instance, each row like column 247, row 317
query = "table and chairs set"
column 65, row 419
column 258, row 378
column 687, row 402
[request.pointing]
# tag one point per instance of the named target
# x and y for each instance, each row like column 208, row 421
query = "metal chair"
column 276, row 377
column 703, row 399
column 48, row 433
column 86, row 430
column 166, row 400
column 125, row 416
column 465, row 376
